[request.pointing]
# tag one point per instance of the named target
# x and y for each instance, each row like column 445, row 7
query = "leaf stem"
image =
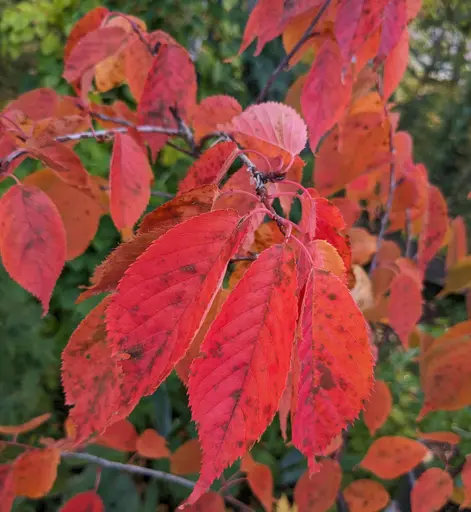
column 285, row 61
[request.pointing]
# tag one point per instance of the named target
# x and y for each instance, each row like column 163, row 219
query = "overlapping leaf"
column 88, row 500
column 236, row 386
column 431, row 491
column 35, row 471
column 213, row 111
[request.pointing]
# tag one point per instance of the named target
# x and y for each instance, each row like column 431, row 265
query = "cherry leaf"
column 35, row 471
column 130, row 178
column 210, row 166
column 211, row 112
column 394, row 23
column 90, row 376
column 151, row 445
column 209, row 502
column 246, row 358
column 30, row 226
column 7, row 490
column 121, row 436
column 88, row 501
column 24, row 427
column 272, row 123
column 91, row 49
column 392, row 456
column 170, row 84
column 165, row 294
column 326, row 93
column 378, row 407
column 319, row 491
column 365, row 496
column 333, row 383
column 431, row 491
column 186, row 460
column 395, row 65
column 260, row 480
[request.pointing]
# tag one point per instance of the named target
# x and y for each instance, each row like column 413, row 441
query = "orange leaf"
column 130, row 177
column 458, row 244
column 363, row 245
column 30, row 226
column 395, row 65
column 121, row 436
column 7, row 490
column 378, row 407
column 349, row 209
column 431, row 491
column 440, row 437
column 152, row 445
column 186, row 460
column 392, row 456
column 24, row 427
column 88, row 501
column 209, row 502
column 211, row 112
column 365, row 496
column 260, row 479
column 80, row 213
column 318, row 492
column 35, row 471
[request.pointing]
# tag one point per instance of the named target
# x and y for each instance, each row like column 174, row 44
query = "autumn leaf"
column 394, row 22
column 209, row 502
column 440, row 437
column 130, row 177
column 392, row 456
column 213, row 111
column 326, row 93
column 431, row 491
column 92, row 48
column 80, row 213
column 378, row 407
column 192, row 259
column 35, row 471
column 395, row 65
column 260, row 480
column 88, row 501
column 121, row 436
column 7, row 490
column 458, row 243
column 153, row 225
column 319, row 491
column 466, row 479
column 30, row 226
column 363, row 244
column 250, row 343
column 36, row 104
column 210, row 167
column 91, row 377
column 151, row 445
column 24, row 427
column 365, row 496
column 170, row 84
column 186, row 459
column 458, row 277
column 331, row 379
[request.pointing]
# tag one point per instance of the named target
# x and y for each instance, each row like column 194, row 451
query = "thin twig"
column 282, row 65
column 249, row 257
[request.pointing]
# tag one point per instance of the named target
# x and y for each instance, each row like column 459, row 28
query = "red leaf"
column 130, row 177
column 35, row 471
column 80, row 213
column 91, row 49
column 241, row 376
column 413, row 8
column 90, row 376
column 209, row 502
column 356, row 21
column 394, row 23
column 186, row 460
column 151, row 445
column 395, row 65
column 30, row 226
column 431, row 491
column 165, row 295
column 349, row 209
column 273, row 124
column 435, row 229
column 326, row 93
column 211, row 112
column 392, row 456
column 7, row 491
column 138, row 60
column 24, row 427
column 333, row 383
column 405, row 305
column 458, row 243
column 121, row 436
column 91, row 21
column 319, row 491
column 440, row 437
column 378, row 407
column 153, row 225
column 37, row 104
column 210, row 166
column 61, row 159
column 87, row 501
column 365, row 496
column 171, row 83
column 260, row 479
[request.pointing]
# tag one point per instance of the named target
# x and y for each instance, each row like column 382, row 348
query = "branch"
column 281, row 66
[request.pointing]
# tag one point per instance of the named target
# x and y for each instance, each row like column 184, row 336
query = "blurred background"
column 435, row 104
